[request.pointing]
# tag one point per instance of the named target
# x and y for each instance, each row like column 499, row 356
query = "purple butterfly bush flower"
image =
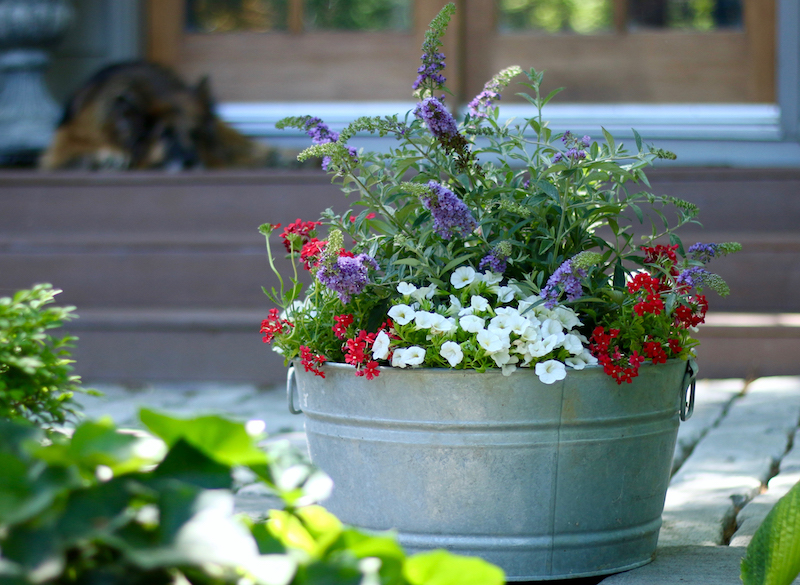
column 320, row 133
column 451, row 216
column 703, row 252
column 347, row 276
column 575, row 150
column 491, row 92
column 438, row 118
column 496, row 260
column 693, row 277
column 430, row 70
column 568, row 278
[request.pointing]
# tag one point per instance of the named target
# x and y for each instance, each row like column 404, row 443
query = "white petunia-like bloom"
column 551, row 371
column 567, row 317
column 491, row 278
column 479, row 303
column 471, row 323
column 502, row 358
column 406, row 288
column 492, row 342
column 551, row 327
column 425, row 292
column 462, row 276
column 502, row 324
column 505, row 294
column 402, row 314
column 380, row 349
column 451, row 351
column 398, row 360
column 572, row 343
column 455, row 306
column 579, row 362
column 510, row 366
column 426, row 320
column 414, row 355
column 541, row 347
column 444, row 326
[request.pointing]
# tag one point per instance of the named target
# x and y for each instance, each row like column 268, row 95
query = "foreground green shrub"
column 35, row 372
column 773, row 556
column 115, row 508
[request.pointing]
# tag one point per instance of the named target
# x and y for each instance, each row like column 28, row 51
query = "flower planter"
column 546, row 481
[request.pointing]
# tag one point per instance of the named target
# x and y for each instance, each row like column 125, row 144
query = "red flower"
column 368, row 216
column 311, row 252
column 655, row 352
column 274, row 325
column 342, row 323
column 675, row 346
column 311, row 361
column 297, row 234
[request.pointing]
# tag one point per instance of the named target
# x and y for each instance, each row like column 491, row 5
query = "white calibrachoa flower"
column 426, row 320
column 402, row 314
column 478, row 303
column 380, row 349
column 413, row 356
column 455, row 306
column 491, row 278
column 406, row 289
column 461, row 277
column 452, row 352
column 444, row 326
column 551, row 371
column 572, row 343
column 397, row 358
column 505, row 294
column 491, row 342
column 471, row 323
column 579, row 362
column 425, row 292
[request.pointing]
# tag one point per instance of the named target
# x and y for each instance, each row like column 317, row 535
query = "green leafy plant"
column 106, row 506
column 35, row 372
column 773, row 556
column 527, row 231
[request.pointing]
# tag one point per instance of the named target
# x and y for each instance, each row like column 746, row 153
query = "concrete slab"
column 686, row 565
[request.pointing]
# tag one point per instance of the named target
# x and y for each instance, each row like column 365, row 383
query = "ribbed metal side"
column 547, row 481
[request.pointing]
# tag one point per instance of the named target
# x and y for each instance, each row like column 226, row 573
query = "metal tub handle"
column 688, row 390
column 291, row 388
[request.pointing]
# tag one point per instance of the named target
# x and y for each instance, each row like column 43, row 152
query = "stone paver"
column 753, row 514
column 238, row 401
column 686, row 565
column 731, row 464
column 713, row 398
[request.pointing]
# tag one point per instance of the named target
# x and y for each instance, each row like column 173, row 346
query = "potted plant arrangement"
column 488, row 358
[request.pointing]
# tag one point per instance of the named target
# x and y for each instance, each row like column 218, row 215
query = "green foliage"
column 773, row 556
column 110, row 507
column 35, row 379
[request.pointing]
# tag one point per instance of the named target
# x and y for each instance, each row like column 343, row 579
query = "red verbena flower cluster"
column 311, row 253
column 662, row 255
column 651, row 286
column 693, row 314
column 274, row 325
column 616, row 364
column 312, row 361
column 342, row 323
column 297, row 234
column 358, row 350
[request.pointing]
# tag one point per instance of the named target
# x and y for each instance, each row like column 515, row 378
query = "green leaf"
column 638, row 140
column 408, row 262
column 440, row 567
column 224, row 441
column 190, row 465
column 609, row 139
column 773, row 556
column 453, row 263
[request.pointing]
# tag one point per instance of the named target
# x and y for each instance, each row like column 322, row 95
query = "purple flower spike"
column 692, row 277
column 438, row 119
column 320, row 133
column 568, row 278
column 703, row 252
column 347, row 276
column 451, row 215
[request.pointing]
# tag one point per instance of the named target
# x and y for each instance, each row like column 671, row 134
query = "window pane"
column 685, row 14
column 577, row 16
column 366, row 15
column 212, row 16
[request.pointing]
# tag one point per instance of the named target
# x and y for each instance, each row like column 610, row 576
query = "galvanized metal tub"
column 546, row 481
